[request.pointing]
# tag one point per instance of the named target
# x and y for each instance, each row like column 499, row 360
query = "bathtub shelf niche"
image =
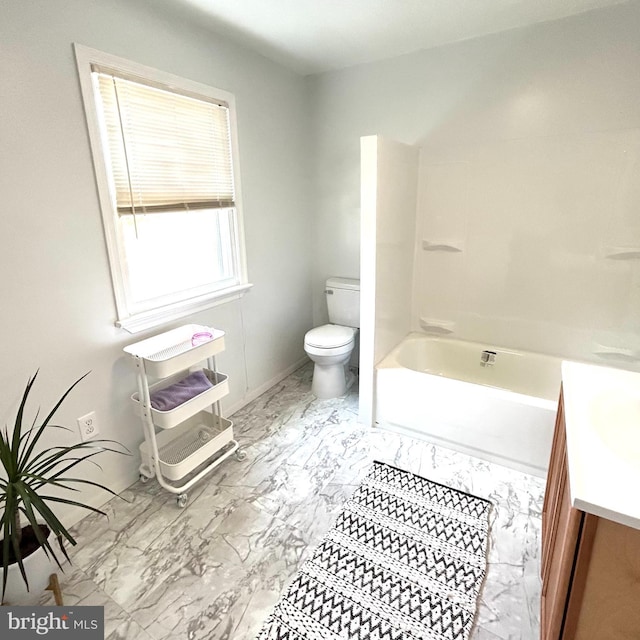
column 449, row 246
column 437, row 327
column 616, row 354
column 621, row 253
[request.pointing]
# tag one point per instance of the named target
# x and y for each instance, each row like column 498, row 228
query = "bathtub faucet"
column 487, row 358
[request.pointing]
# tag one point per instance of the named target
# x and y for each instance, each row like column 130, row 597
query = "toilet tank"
column 343, row 301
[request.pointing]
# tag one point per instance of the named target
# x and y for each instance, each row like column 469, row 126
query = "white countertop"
column 602, row 416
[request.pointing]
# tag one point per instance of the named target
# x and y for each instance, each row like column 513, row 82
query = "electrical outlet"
column 88, row 426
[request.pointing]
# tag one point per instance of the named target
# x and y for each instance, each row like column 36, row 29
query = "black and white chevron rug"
column 405, row 560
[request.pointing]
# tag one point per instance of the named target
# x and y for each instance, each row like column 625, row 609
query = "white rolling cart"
column 183, row 444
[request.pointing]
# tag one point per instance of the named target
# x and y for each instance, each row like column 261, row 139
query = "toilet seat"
column 326, row 352
column 329, row 336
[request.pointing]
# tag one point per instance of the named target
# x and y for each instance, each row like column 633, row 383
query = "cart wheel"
column 144, row 479
column 182, row 500
column 241, row 454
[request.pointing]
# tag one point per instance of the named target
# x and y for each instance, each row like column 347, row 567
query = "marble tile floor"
column 214, row 569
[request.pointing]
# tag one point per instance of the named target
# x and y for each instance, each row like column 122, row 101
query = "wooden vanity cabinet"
column 590, row 565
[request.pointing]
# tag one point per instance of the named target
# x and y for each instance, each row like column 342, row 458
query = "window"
column 166, row 160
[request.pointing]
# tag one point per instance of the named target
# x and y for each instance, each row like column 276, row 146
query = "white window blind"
column 168, row 151
column 165, row 154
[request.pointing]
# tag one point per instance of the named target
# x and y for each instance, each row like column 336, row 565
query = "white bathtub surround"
column 602, row 417
column 528, row 145
column 388, row 193
column 214, row 569
column 440, row 389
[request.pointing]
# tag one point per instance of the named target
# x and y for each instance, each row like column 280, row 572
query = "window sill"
column 157, row 317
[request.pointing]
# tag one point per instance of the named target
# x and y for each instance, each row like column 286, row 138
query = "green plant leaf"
column 17, row 428
column 53, row 462
column 39, row 431
column 11, row 539
column 6, row 455
column 88, row 482
column 73, row 503
column 24, row 438
column 40, row 463
column 31, row 517
column 49, row 517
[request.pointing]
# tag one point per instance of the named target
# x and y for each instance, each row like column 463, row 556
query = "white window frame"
column 126, row 319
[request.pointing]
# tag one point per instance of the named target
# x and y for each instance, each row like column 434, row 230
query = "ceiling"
column 312, row 36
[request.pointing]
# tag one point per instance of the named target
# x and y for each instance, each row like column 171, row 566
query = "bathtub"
column 437, row 389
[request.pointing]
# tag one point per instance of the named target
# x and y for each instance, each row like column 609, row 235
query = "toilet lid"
column 329, row 336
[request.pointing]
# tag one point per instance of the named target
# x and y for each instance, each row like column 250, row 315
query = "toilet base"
column 331, row 380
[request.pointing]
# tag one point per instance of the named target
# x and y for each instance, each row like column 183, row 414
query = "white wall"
column 389, row 187
column 530, row 153
column 57, row 303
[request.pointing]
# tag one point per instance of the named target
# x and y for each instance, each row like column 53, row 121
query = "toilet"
column 330, row 346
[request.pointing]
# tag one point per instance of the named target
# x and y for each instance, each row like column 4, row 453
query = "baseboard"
column 255, row 393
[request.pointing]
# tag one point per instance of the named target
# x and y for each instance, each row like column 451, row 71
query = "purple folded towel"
column 174, row 395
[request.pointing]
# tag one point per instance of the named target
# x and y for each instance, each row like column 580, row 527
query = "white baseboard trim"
column 254, row 393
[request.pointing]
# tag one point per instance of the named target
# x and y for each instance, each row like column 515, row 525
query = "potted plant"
column 27, row 475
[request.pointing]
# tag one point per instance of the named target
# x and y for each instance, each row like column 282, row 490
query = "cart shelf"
column 173, row 417
column 171, row 352
column 186, row 447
